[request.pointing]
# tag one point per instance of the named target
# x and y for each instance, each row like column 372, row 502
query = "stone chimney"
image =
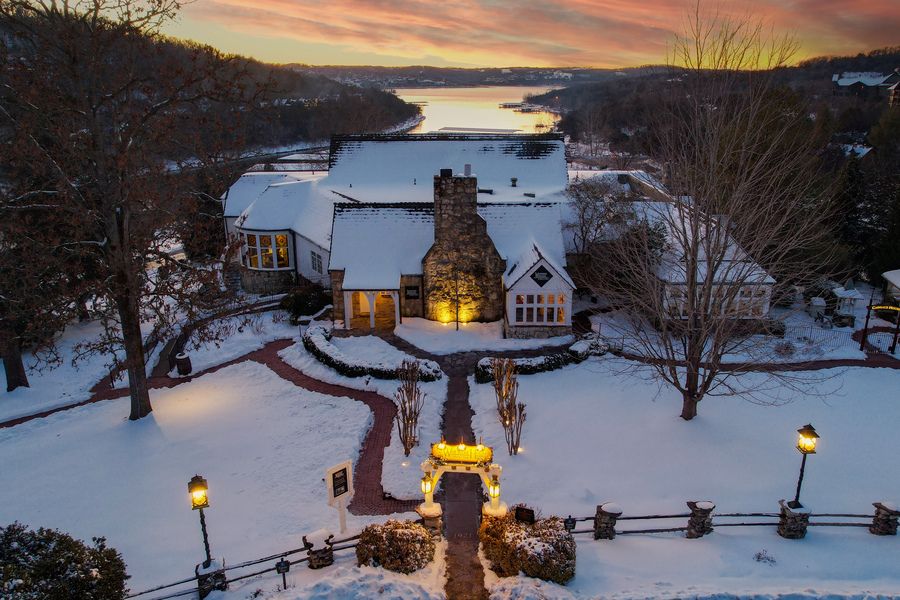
column 462, row 271
column 455, row 205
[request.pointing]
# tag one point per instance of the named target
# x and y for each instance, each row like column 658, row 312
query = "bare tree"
column 510, row 411
column 410, row 400
column 694, row 275
column 102, row 103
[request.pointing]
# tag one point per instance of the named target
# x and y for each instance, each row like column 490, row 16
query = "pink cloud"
column 534, row 32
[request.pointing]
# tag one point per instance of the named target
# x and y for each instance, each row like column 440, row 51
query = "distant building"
column 864, row 85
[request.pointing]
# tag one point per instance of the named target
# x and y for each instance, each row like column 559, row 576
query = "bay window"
column 266, row 251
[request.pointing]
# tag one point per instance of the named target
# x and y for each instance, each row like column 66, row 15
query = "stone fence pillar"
column 700, row 521
column 183, row 364
column 792, row 523
column 605, row 521
column 210, row 579
column 321, row 558
column 886, row 517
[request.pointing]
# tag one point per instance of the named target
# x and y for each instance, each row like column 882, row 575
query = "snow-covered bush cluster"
column 576, row 353
column 400, row 546
column 544, row 550
column 50, row 565
column 317, row 341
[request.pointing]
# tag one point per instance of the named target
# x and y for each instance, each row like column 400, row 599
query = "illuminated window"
column 267, row 252
column 540, row 309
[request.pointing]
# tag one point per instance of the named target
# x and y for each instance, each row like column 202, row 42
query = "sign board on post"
column 339, row 482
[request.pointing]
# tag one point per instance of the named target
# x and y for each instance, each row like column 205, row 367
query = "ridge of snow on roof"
column 248, row 187
column 528, row 259
column 293, row 205
column 401, row 168
column 376, row 243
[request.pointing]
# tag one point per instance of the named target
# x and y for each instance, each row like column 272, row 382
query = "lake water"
column 477, row 108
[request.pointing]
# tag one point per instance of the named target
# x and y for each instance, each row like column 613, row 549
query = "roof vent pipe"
column 467, row 170
column 514, row 181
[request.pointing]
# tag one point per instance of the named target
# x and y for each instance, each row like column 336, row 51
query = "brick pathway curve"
column 369, row 497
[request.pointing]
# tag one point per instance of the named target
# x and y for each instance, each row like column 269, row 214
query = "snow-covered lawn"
column 594, row 435
column 58, row 386
column 442, row 338
column 262, row 443
column 401, row 474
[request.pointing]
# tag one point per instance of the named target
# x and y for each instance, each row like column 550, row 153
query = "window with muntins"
column 267, row 251
column 316, row 261
column 540, row 309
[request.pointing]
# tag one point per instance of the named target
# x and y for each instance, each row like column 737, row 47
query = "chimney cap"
column 446, row 172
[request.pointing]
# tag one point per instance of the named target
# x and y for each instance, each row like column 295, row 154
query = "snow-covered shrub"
column 50, row 565
column 544, row 550
column 576, row 353
column 400, row 546
column 304, row 301
column 317, row 341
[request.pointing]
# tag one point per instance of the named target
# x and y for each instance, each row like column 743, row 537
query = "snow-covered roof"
column 294, row 205
column 376, row 243
column 401, row 168
column 844, row 293
column 856, row 150
column 248, row 187
column 868, row 79
column 533, row 255
column 892, row 277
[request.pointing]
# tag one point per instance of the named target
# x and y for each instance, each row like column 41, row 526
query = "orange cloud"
column 605, row 33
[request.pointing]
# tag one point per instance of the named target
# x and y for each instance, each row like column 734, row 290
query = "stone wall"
column 267, row 282
column 525, row 332
column 463, row 266
column 410, row 307
column 337, row 294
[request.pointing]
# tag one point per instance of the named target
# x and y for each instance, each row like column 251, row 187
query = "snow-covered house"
column 454, row 259
column 863, row 84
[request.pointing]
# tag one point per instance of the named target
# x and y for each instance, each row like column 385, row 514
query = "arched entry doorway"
column 461, row 458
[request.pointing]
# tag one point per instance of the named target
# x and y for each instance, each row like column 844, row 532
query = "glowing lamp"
column 494, row 488
column 807, row 439
column 442, row 445
column 198, row 491
column 461, row 447
column 427, row 484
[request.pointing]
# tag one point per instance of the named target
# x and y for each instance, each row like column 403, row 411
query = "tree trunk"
column 134, row 357
column 81, row 305
column 689, row 406
column 11, row 353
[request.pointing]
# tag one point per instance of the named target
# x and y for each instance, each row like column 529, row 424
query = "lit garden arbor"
column 461, row 458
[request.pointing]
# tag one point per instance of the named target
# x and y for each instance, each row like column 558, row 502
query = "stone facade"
column 527, row 332
column 337, row 294
column 267, row 282
column 463, row 268
column 411, row 307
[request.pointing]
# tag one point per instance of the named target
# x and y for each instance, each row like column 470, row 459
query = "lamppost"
column 198, row 490
column 494, row 492
column 806, row 444
column 428, row 490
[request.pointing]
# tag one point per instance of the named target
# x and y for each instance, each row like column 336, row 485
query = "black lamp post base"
column 794, row 504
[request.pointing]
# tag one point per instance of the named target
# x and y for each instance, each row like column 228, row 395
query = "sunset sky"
column 600, row 33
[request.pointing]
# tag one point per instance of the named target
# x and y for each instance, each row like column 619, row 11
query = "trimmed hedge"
column 46, row 564
column 399, row 546
column 544, row 550
column 317, row 341
column 576, row 353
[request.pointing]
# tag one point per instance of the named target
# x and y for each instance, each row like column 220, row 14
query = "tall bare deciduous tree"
column 693, row 275
column 94, row 99
column 410, row 400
